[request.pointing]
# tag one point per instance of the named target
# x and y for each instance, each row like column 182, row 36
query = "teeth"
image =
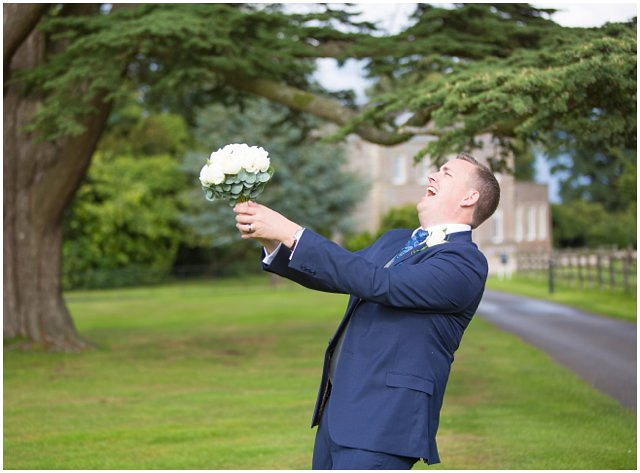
column 432, row 190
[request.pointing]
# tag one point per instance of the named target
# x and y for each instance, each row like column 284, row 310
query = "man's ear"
column 471, row 198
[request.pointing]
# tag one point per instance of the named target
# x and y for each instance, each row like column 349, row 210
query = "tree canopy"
column 502, row 69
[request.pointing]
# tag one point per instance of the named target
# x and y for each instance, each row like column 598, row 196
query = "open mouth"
column 431, row 191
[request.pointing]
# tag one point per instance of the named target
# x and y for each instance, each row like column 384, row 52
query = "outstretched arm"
column 272, row 229
column 447, row 282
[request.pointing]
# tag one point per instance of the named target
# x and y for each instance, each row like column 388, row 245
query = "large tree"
column 500, row 69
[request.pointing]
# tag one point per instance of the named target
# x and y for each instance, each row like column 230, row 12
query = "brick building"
column 522, row 222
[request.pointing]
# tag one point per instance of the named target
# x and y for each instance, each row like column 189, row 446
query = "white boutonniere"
column 436, row 237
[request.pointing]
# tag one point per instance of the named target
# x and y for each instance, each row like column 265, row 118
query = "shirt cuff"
column 269, row 257
column 298, row 237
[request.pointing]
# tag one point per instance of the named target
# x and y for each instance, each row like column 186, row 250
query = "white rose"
column 249, row 163
column 211, row 174
column 228, row 160
column 260, row 159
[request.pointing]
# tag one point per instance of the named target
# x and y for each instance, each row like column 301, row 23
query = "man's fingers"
column 244, row 218
column 245, row 228
column 244, row 208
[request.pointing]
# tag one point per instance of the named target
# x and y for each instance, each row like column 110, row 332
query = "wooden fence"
column 613, row 270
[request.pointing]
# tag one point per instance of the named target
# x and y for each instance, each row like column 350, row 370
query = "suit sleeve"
column 446, row 282
column 280, row 265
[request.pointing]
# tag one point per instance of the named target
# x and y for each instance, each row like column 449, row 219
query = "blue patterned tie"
column 418, row 237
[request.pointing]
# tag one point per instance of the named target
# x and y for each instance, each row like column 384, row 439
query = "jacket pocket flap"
column 396, row 380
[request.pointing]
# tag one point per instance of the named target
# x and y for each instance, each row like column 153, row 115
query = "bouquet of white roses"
column 236, row 173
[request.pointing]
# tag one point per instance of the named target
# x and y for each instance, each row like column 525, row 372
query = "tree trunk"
column 40, row 179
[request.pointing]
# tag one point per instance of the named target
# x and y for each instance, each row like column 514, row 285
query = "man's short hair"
column 487, row 186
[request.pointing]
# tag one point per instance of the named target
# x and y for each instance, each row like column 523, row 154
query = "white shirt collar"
column 447, row 227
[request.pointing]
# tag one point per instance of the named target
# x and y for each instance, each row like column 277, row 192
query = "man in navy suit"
column 412, row 296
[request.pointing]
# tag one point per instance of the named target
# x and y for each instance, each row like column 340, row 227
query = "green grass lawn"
column 618, row 304
column 223, row 375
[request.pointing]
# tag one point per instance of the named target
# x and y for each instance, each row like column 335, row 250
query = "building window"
column 519, row 224
column 531, row 223
column 497, row 227
column 542, row 223
column 399, row 171
column 422, row 171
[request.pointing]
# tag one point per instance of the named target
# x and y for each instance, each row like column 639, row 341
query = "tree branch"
column 322, row 107
column 18, row 20
column 345, row 49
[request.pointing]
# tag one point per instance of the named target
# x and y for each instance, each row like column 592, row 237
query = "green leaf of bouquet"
column 236, row 188
column 250, row 178
column 208, row 194
column 264, row 177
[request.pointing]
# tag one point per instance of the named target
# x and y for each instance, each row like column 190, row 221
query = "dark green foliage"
column 124, row 216
column 594, row 176
column 133, row 130
column 445, row 39
column 180, row 55
column 587, row 224
column 599, row 191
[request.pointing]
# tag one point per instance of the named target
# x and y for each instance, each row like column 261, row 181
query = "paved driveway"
column 600, row 350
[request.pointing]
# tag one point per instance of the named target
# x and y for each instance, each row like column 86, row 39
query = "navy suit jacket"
column 404, row 324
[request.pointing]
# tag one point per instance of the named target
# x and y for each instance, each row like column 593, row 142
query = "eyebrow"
column 445, row 168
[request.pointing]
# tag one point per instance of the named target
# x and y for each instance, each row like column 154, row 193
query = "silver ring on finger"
column 250, row 229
